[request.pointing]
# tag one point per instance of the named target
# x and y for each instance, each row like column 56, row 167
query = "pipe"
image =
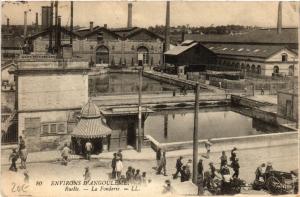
column 25, row 24
column 279, row 19
column 51, row 29
column 71, row 24
column 56, row 27
column 129, row 19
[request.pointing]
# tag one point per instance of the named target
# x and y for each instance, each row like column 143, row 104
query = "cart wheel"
column 274, row 186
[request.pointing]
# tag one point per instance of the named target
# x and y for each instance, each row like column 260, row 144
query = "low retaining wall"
column 243, row 142
column 242, row 101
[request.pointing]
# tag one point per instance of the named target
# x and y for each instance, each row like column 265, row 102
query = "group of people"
column 117, row 165
column 21, row 152
column 132, row 175
column 262, row 170
column 183, row 170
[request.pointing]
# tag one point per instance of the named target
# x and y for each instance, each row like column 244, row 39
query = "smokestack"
column 58, row 35
column 36, row 20
column 25, row 24
column 91, row 26
column 51, row 28
column 129, row 20
column 56, row 26
column 71, row 24
column 279, row 19
column 183, row 35
column 167, row 28
column 7, row 22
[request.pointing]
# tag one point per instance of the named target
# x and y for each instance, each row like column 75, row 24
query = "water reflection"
column 175, row 126
column 115, row 83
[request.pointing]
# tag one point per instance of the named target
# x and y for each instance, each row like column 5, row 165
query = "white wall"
column 55, row 91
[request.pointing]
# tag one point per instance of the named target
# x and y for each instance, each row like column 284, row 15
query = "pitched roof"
column 180, row 49
column 247, row 50
column 47, row 31
column 287, row 36
column 91, row 128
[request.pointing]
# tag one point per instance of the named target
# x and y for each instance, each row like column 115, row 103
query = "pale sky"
column 194, row 13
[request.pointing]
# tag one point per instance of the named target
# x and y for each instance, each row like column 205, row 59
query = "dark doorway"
column 79, row 145
column 102, row 55
column 131, row 135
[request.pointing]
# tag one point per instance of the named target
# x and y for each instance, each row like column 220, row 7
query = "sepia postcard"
column 149, row 98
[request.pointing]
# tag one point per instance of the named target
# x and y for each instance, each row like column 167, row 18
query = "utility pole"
column 140, row 110
column 195, row 136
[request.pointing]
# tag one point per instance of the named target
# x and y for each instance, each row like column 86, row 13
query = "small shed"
column 91, row 127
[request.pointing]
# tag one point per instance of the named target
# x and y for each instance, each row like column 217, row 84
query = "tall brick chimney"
column 25, row 24
column 167, row 28
column 129, row 20
column 36, row 20
column 7, row 22
column 91, row 26
column 279, row 19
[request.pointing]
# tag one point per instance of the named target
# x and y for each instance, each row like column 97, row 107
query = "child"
column 87, row 174
column 13, row 157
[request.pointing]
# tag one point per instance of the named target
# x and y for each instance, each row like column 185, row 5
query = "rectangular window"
column 61, row 128
column 53, row 128
column 45, row 128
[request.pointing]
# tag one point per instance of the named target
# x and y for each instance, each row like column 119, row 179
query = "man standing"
column 207, row 144
column 88, row 148
column 65, row 154
column 223, row 159
column 158, row 156
column 233, row 155
column 178, row 167
column 163, row 163
column 113, row 166
column 236, row 168
column 200, row 168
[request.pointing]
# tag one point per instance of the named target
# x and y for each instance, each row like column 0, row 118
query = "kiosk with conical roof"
column 91, row 127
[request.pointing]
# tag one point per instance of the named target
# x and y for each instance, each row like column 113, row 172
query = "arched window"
column 143, row 55
column 291, row 70
column 284, row 57
column 102, row 55
column 276, row 70
column 258, row 69
column 253, row 68
column 248, row 68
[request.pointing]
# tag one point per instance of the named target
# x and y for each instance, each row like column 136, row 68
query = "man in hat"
column 13, row 157
column 88, row 149
column 236, row 168
column 178, row 167
column 233, row 154
column 113, row 166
